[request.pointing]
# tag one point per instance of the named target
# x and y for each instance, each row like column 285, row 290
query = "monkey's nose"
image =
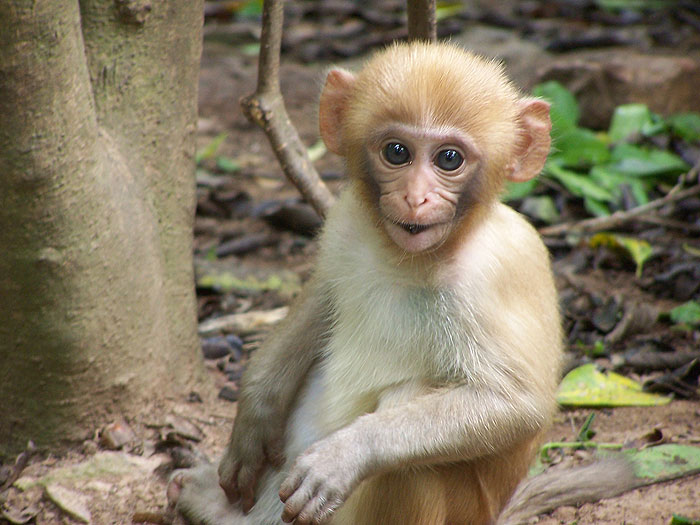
column 415, row 201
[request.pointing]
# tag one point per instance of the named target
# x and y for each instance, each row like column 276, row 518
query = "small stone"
column 215, row 348
column 236, row 344
column 115, row 435
column 89, row 447
column 184, row 428
column 194, row 397
column 228, row 393
column 20, row 508
column 233, row 371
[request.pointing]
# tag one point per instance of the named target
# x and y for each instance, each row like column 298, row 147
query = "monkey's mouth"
column 414, row 229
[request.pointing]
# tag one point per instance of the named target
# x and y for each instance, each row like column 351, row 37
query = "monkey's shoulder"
column 502, row 248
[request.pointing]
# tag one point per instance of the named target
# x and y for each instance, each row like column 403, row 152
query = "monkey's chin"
column 416, row 238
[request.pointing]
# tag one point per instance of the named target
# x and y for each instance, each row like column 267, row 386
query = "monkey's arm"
column 445, row 425
column 268, row 389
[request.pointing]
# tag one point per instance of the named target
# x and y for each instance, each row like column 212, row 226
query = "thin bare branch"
column 270, row 45
column 421, row 20
column 266, row 108
column 621, row 217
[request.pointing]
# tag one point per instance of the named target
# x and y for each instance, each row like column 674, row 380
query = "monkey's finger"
column 297, row 501
column 228, row 481
column 290, row 484
column 319, row 510
column 247, row 499
column 247, row 481
column 231, row 491
column 325, row 514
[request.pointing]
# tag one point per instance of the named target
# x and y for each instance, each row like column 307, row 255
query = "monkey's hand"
column 323, row 477
column 256, row 443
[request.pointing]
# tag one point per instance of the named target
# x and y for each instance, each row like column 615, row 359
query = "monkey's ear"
column 331, row 111
column 532, row 146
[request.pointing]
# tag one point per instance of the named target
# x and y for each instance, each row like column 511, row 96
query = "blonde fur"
column 414, row 386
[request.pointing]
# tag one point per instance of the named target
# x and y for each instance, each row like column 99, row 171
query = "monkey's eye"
column 449, row 159
column 396, row 153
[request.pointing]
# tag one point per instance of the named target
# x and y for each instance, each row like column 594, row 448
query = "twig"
column 577, row 445
column 20, row 464
column 242, row 324
column 266, row 108
column 670, row 224
column 621, row 217
column 421, row 20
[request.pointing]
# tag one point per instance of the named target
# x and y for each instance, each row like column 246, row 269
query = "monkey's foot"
column 196, row 495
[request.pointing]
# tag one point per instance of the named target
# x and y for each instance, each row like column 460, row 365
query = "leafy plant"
column 584, row 439
column 687, row 313
column 638, row 250
column 210, row 149
column 609, row 170
column 586, row 386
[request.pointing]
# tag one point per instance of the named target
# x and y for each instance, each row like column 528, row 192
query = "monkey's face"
column 420, row 176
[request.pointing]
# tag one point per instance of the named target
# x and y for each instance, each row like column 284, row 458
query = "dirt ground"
column 131, row 483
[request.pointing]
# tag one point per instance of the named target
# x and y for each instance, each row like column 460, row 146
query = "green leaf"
column 587, row 386
column 635, row 5
column 227, row 164
column 643, row 162
column 664, row 462
column 251, row 9
column 595, row 207
column 445, row 10
column 542, row 208
column 317, row 151
column 686, row 126
column 579, row 185
column 586, row 433
column 210, row 149
column 638, row 250
column 687, row 313
column 251, row 50
column 580, row 148
column 628, row 121
column 677, row 519
column 614, row 181
column 564, row 112
column 518, row 190
column 692, row 250
column 598, row 349
column 286, row 283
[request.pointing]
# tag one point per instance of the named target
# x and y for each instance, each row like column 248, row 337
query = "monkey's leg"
column 449, row 493
column 472, row 492
column 198, row 497
column 407, row 496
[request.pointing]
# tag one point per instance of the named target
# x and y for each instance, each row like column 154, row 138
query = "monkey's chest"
column 382, row 338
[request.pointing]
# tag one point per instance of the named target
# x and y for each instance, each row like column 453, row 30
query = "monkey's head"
column 431, row 132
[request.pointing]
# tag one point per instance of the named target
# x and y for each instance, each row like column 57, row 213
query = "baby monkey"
column 413, row 377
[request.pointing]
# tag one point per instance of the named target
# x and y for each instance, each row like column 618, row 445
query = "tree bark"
column 98, row 106
column 422, row 22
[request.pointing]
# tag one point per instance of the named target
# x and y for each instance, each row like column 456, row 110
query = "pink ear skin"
column 533, row 141
column 332, row 108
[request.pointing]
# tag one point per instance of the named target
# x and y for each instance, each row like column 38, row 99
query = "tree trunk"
column 97, row 306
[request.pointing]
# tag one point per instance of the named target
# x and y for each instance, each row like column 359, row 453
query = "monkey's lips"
column 413, row 228
column 416, row 237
